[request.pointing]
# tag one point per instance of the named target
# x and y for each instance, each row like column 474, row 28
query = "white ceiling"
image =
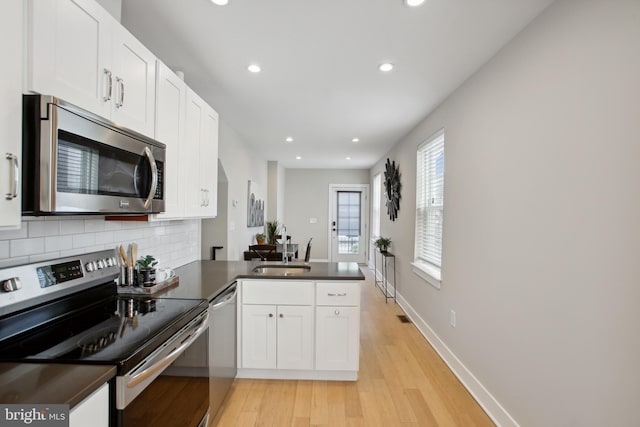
column 319, row 82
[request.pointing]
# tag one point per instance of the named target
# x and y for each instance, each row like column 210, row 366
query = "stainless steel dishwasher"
column 222, row 347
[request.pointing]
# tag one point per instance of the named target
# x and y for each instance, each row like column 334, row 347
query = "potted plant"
column 146, row 270
column 260, row 238
column 272, row 231
column 382, row 243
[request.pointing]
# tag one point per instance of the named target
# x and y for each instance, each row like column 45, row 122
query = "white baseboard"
column 485, row 399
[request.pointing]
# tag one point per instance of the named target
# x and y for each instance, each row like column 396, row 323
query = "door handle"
column 13, row 189
column 154, row 177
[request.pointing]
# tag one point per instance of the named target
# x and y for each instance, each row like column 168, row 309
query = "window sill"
column 429, row 273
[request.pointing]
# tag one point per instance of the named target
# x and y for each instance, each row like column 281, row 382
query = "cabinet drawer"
column 338, row 293
column 289, row 292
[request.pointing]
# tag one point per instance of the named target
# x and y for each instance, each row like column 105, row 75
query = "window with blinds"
column 375, row 206
column 430, row 204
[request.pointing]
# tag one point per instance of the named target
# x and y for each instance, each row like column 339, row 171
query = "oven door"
column 171, row 387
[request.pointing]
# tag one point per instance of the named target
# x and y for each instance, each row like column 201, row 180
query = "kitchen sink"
column 282, row 270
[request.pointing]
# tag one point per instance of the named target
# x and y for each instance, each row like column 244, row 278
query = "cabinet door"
column 259, row 336
column 69, row 45
column 190, row 155
column 337, row 338
column 209, row 163
column 295, row 337
column 134, row 69
column 93, row 411
column 10, row 111
column 170, row 127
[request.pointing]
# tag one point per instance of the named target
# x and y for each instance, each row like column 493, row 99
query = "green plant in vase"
column 272, row 231
column 260, row 238
column 146, row 270
column 382, row 243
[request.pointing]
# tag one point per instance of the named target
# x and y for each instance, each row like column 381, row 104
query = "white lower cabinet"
column 337, row 338
column 337, row 326
column 291, row 329
column 277, row 337
column 92, row 411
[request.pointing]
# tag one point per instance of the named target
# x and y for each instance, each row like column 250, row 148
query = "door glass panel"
column 348, row 227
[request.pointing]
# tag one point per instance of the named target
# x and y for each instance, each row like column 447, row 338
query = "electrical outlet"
column 452, row 318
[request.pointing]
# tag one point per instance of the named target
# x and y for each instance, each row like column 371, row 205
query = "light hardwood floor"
column 402, row 382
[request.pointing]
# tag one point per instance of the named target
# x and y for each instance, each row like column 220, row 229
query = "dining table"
column 292, row 250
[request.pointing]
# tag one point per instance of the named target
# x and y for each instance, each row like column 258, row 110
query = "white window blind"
column 430, row 201
column 375, row 208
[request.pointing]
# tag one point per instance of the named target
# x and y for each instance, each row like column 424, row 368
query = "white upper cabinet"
column 170, row 129
column 78, row 52
column 10, row 112
column 199, row 155
column 209, row 163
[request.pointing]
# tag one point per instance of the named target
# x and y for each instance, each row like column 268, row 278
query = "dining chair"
column 307, row 254
column 278, row 237
column 262, row 251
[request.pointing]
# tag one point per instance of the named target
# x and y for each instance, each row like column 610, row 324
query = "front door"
column 348, row 223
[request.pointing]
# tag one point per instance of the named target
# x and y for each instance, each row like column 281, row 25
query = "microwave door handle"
column 154, row 177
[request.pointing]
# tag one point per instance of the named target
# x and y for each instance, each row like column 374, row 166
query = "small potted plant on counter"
column 146, row 270
column 272, row 231
column 260, row 238
column 382, row 243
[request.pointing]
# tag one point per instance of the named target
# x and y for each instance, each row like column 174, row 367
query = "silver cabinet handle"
column 154, row 177
column 120, row 102
column 344, row 294
column 13, row 189
column 110, row 87
column 337, row 312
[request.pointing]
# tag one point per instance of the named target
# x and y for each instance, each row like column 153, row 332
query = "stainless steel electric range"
column 68, row 311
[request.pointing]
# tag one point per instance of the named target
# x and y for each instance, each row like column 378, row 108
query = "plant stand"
column 385, row 258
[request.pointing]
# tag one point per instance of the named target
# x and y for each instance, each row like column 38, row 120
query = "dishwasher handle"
column 225, row 298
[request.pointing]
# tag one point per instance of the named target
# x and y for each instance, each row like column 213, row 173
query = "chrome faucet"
column 283, row 232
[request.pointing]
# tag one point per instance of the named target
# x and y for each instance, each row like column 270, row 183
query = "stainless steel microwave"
column 78, row 163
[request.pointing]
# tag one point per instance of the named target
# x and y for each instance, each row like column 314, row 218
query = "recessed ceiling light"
column 220, row 2
column 386, row 67
column 355, row 140
column 347, row 158
column 289, row 139
column 254, row 68
column 413, row 3
column 298, row 157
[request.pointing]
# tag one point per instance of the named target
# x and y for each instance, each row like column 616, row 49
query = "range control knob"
column 110, row 261
column 12, row 285
column 90, row 266
column 101, row 264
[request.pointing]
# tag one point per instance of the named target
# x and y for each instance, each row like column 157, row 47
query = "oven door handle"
column 169, row 358
column 154, row 177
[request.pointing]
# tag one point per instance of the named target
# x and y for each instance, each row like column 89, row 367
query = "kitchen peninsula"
column 294, row 321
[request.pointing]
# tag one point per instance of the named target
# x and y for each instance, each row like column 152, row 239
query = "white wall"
column 542, row 222
column 173, row 243
column 241, row 164
column 307, row 196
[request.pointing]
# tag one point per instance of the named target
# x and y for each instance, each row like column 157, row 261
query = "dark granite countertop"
column 206, row 279
column 50, row 383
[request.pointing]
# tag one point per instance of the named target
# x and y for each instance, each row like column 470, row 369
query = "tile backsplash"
column 173, row 243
